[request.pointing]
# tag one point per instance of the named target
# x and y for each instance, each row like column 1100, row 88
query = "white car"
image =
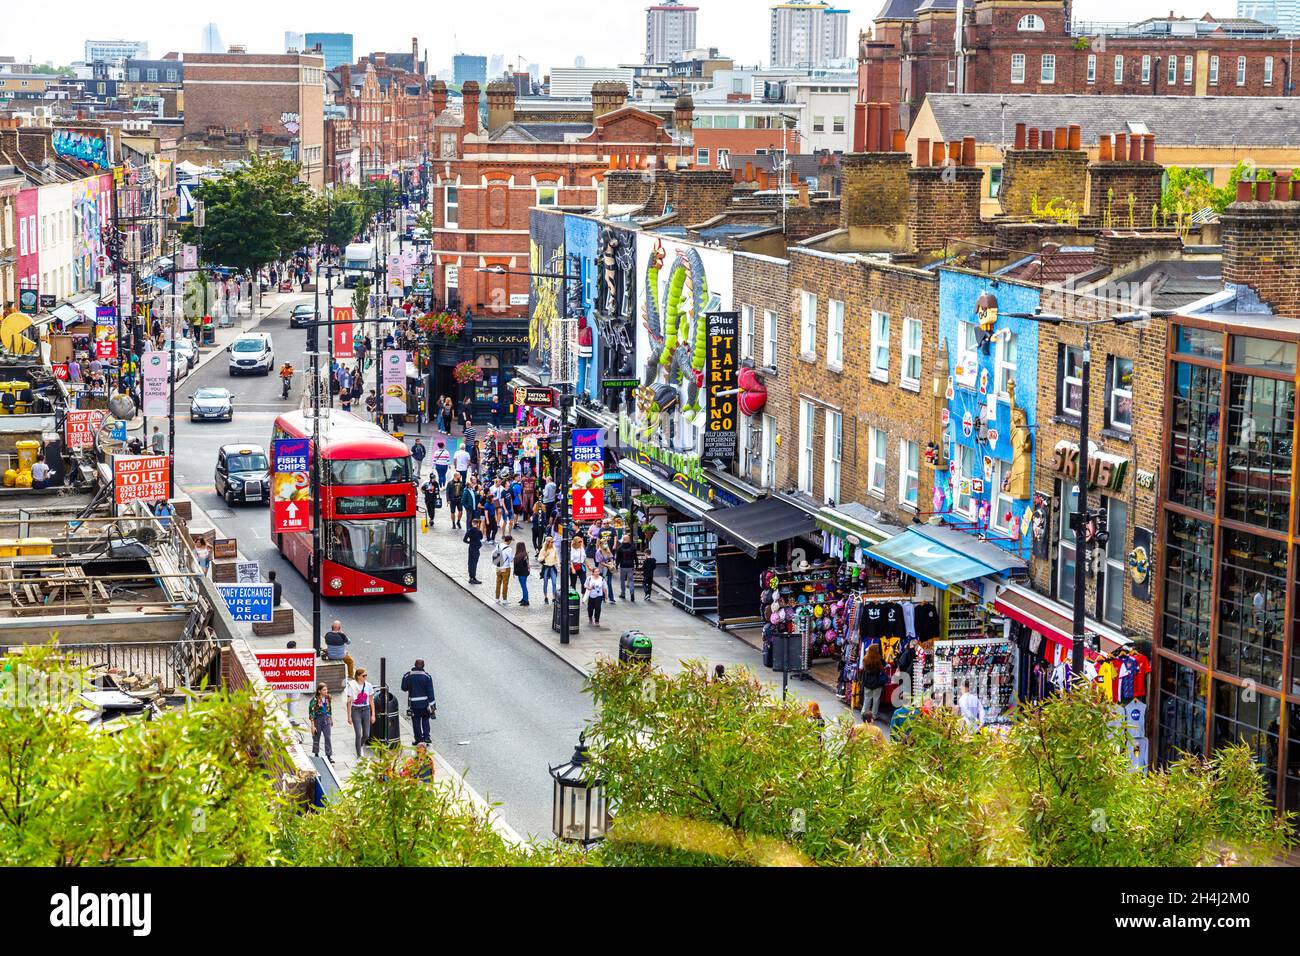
column 186, row 351
column 251, row 354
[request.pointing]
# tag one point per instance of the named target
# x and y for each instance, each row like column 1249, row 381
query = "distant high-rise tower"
column 1283, row 14
column 465, row 67
column 669, row 31
column 336, row 47
column 211, row 42
column 496, row 65
column 807, row 35
column 293, row 42
column 579, row 62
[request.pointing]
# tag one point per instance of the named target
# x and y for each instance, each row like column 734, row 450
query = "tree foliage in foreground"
column 724, row 771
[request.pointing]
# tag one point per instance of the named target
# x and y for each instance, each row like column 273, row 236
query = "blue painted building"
column 581, row 244
column 982, row 364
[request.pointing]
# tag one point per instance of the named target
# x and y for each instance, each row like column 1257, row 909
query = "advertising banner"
column 587, row 444
column 394, row 381
column 248, row 602
column 291, row 670
column 139, row 478
column 189, row 258
column 290, row 485
column 343, row 347
column 81, row 425
column 105, row 342
column 720, row 435
column 154, row 367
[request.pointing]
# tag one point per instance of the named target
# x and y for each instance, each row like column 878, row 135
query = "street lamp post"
column 1082, row 515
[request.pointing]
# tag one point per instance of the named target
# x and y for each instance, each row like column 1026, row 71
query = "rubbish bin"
column 575, row 608
column 633, row 646
column 385, row 729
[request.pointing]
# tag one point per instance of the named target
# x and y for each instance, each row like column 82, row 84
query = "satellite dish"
column 11, row 334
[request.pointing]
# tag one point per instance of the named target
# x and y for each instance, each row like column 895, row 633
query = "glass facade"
column 1228, row 659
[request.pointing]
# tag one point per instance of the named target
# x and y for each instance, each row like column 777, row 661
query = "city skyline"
column 738, row 28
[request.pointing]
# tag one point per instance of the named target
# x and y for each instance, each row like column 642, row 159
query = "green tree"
column 361, row 299
column 189, row 788
column 342, row 213
column 721, row 772
column 1186, row 192
column 257, row 214
column 379, row 196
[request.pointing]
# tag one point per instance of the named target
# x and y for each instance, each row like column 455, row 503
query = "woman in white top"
column 360, row 701
column 578, row 559
column 594, row 591
column 202, row 553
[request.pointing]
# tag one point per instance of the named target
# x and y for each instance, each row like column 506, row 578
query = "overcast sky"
column 606, row 32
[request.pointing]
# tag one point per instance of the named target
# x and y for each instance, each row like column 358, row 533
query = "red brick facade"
column 909, row 57
column 392, row 110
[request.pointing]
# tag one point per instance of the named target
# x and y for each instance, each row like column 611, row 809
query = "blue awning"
column 159, row 283
column 936, row 557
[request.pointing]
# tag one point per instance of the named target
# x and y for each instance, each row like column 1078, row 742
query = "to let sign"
column 139, row 478
column 720, row 437
column 248, row 602
column 289, row 670
column 81, row 426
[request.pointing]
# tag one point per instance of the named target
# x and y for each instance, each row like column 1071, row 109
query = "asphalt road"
column 506, row 707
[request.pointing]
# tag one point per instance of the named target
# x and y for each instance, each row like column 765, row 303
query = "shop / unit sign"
column 248, row 602
column 720, row 435
column 48, row 302
column 291, row 670
column 536, row 396
column 140, row 478
column 1105, row 471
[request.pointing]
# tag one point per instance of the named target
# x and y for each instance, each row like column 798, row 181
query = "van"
column 251, row 354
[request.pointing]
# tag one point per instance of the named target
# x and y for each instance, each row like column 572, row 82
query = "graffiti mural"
column 85, row 148
column 616, row 308
column 681, row 283
column 581, row 248
column 291, row 123
column 545, row 255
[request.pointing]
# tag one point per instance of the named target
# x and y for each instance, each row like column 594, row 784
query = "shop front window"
column 1194, row 436
column 1261, row 425
column 1252, row 607
column 1116, row 561
column 1182, row 711
column 1243, row 716
column 1065, row 564
column 1189, row 568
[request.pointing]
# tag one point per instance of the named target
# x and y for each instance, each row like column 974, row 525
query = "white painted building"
column 807, row 35
column 669, row 31
column 571, row 81
column 115, row 51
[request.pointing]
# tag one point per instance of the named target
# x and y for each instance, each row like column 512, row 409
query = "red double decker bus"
column 367, row 507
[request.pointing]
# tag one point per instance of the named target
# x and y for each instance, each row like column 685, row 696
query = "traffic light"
column 313, row 333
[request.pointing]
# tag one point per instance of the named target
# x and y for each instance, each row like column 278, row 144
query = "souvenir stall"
column 753, row 537
column 693, row 567
column 989, row 664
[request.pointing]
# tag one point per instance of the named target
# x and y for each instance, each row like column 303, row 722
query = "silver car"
column 212, row 404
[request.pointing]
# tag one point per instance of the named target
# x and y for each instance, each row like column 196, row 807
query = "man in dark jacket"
column 474, row 538
column 469, row 502
column 418, row 687
column 625, row 558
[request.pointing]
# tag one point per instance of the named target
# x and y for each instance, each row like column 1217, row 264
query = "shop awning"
column 1051, row 618
column 758, row 523
column 856, row 519
column 687, row 504
column 943, row 556
column 159, row 283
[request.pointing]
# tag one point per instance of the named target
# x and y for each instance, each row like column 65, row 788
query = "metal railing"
column 189, row 664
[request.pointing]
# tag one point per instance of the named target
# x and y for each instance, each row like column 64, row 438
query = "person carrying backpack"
column 432, row 498
column 503, row 559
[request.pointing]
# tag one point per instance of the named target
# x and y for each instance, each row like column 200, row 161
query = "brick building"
column 1033, row 46
column 342, row 147
column 392, row 106
column 485, row 180
column 11, row 181
column 270, row 94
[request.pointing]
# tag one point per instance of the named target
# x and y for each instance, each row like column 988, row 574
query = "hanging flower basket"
column 466, row 372
column 447, row 324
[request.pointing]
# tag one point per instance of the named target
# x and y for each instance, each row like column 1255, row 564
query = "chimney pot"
column 873, row 128
column 1135, row 148
column 1282, row 185
column 937, row 153
column 859, row 127
column 922, row 152
column 1076, row 136
column 900, row 141
column 1103, row 148
column 749, row 171
column 1149, row 147
column 1033, row 139
column 1295, row 190
column 1263, row 190
column 1047, row 140
column 1245, row 189
column 1062, row 137
column 1121, row 147
column 954, row 152
column 967, row 150
column 1020, row 136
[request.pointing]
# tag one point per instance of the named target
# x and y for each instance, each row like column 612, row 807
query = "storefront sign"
column 519, row 298
column 81, row 425
column 587, row 444
column 48, row 302
column 394, row 382
column 720, row 435
column 248, row 572
column 290, row 670
column 588, row 504
column 248, row 602
column 154, row 376
column 620, row 383
column 1105, row 471
column 343, row 347
column 139, row 478
column 106, row 315
column 290, row 485
column 1146, row 479
column 539, row 397
column 225, row 549
column 499, row 338
column 1139, row 565
column 1039, row 519
column 29, row 301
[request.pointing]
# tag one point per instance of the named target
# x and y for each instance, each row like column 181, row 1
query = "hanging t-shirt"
column 892, row 625
column 873, row 617
column 1127, row 672
column 1106, row 677
column 1141, row 668
column 1135, row 715
column 909, row 620
column 927, row 622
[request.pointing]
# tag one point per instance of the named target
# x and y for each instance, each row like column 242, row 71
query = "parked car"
column 212, row 404
column 302, row 314
column 251, row 353
column 242, row 474
column 186, row 348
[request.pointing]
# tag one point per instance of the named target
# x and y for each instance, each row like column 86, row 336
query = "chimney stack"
column 1261, row 246
column 607, row 96
column 500, row 103
column 439, row 93
column 1122, row 171
column 469, row 97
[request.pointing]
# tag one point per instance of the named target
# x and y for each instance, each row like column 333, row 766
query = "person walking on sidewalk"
column 539, row 526
column 648, row 565
column 418, row 451
column 460, row 462
column 549, row 561
column 521, row 571
column 320, row 711
column 336, row 643
column 503, row 559
column 360, row 699
column 625, row 558
column 548, row 497
column 455, row 488
column 441, row 460
column 594, row 591
column 432, row 498
column 604, row 559
column 873, row 682
column 578, row 558
column 418, row 687
column 474, row 538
